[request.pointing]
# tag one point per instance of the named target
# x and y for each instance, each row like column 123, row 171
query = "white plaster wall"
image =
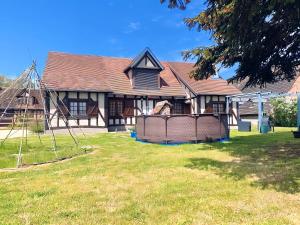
column 202, row 102
column 53, row 121
column 208, row 98
column 151, row 106
column 61, row 95
column 73, row 123
column 62, row 123
column 101, row 103
column 83, row 95
column 222, row 98
column 72, row 94
column 83, row 122
column 139, row 105
column 234, row 109
column 194, row 106
column 215, row 98
column 93, row 122
column 94, row 96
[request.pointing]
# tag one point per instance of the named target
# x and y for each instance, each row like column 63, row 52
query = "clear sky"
column 29, row 29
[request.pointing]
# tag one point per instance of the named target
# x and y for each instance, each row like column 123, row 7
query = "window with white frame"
column 82, row 108
column 218, row 108
column 74, row 108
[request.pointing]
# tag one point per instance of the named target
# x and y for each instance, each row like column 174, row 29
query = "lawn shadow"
column 270, row 161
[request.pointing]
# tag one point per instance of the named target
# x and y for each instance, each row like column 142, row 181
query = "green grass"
column 253, row 179
column 39, row 150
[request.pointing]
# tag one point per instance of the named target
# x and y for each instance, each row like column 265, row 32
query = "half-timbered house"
column 108, row 92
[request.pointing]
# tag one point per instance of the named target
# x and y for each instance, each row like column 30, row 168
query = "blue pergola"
column 261, row 98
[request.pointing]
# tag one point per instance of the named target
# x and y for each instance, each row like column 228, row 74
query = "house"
column 14, row 103
column 248, row 111
column 108, row 92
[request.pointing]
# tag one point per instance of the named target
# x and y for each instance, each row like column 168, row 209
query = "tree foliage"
column 261, row 37
column 284, row 112
column 4, row 81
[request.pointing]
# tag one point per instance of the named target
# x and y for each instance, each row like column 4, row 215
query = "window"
column 177, row 108
column 218, row 108
column 78, row 108
column 82, row 108
column 115, row 108
column 73, row 108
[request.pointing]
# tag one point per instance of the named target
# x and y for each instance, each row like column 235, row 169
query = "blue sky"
column 32, row 28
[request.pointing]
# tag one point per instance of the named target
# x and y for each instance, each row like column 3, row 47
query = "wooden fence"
column 182, row 128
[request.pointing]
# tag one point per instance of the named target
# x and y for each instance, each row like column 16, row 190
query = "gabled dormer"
column 144, row 71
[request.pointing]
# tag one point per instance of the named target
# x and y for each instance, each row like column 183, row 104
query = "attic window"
column 146, row 62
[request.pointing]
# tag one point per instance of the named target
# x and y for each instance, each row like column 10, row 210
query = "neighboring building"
column 18, row 104
column 15, row 103
column 108, row 92
column 248, row 111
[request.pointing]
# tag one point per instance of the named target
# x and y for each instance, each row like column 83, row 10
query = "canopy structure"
column 18, row 103
column 260, row 98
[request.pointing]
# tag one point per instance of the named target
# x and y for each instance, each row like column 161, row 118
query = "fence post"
column 166, row 129
column 220, row 127
column 196, row 129
column 144, row 117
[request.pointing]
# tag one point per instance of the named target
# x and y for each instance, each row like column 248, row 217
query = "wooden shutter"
column 63, row 108
column 187, row 109
column 209, row 108
column 129, row 108
column 92, row 108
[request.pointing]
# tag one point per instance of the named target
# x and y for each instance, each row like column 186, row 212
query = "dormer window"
column 144, row 71
column 146, row 63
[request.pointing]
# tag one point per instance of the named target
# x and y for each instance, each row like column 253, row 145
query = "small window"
column 115, row 108
column 218, row 108
column 177, row 108
column 73, row 108
column 82, row 108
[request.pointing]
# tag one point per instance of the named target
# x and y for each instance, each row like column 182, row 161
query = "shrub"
column 36, row 127
column 284, row 112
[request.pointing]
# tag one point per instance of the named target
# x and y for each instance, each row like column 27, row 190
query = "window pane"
column 82, row 108
column 73, row 108
column 112, row 109
column 178, row 108
column 119, row 108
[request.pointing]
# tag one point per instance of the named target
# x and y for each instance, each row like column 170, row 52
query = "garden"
column 251, row 179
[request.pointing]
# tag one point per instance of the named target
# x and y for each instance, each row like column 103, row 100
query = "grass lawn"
column 253, row 179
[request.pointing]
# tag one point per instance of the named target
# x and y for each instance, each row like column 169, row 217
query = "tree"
column 284, row 112
column 5, row 81
column 261, row 37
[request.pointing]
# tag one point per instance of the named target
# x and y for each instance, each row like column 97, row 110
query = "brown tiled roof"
column 249, row 108
column 106, row 74
column 203, row 87
column 278, row 87
column 14, row 104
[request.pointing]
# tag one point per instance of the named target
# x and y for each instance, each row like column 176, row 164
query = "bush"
column 36, row 127
column 284, row 112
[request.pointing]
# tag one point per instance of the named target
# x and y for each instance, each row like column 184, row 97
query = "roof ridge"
column 112, row 57
column 87, row 55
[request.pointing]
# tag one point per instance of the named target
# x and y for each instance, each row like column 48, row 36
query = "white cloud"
column 132, row 26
